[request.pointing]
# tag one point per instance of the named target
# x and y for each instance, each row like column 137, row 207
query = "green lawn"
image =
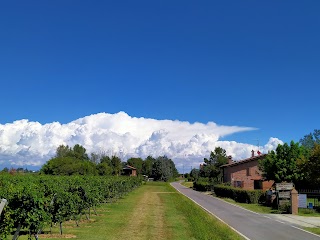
column 153, row 211
column 187, row 184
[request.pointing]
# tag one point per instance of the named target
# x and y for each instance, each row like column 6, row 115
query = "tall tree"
column 309, row 140
column 63, row 151
column 284, row 164
column 79, row 152
column 211, row 167
column 147, row 166
column 194, row 174
column 312, row 168
column 164, row 169
column 116, row 165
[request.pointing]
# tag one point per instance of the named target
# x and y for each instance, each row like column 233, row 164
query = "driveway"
column 249, row 224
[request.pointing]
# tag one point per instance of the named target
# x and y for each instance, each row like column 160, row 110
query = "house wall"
column 243, row 175
column 134, row 172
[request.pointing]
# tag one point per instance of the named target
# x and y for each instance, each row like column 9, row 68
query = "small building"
column 129, row 171
column 245, row 173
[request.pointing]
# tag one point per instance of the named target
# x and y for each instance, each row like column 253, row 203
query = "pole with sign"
column 284, row 193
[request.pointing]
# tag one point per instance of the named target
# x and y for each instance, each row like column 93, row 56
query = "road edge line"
column 306, row 231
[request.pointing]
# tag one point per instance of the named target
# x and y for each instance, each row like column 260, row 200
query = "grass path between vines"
column 153, row 211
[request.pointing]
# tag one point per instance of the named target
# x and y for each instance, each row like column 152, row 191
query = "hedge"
column 239, row 195
column 202, row 184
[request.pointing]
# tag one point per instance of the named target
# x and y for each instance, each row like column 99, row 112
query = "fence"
column 313, row 196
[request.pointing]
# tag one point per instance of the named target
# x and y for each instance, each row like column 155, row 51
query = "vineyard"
column 35, row 202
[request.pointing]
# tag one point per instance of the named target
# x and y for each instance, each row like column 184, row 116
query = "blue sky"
column 235, row 63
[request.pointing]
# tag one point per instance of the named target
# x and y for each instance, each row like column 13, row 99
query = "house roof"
column 255, row 158
column 128, row 167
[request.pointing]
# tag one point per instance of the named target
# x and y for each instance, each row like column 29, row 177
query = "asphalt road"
column 250, row 225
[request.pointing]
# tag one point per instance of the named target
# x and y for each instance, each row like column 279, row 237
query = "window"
column 257, row 184
column 238, row 184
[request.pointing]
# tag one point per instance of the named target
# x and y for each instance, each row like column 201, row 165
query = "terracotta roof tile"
column 258, row 157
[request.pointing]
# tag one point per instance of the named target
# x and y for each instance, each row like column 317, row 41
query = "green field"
column 153, row 211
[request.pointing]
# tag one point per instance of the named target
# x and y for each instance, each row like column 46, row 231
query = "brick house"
column 129, row 171
column 245, row 173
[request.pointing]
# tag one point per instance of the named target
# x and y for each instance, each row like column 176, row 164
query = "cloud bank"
column 24, row 143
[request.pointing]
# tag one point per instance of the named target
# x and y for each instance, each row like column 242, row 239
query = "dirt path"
column 147, row 219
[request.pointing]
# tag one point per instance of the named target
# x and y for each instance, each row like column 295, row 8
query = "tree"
column 211, row 167
column 6, row 170
column 312, row 168
column 68, row 166
column 147, row 166
column 104, row 169
column 137, row 163
column 284, row 164
column 106, row 159
column 309, row 140
column 95, row 158
column 116, row 165
column 164, row 169
column 63, row 151
column 79, row 152
column 194, row 174
column 69, row 162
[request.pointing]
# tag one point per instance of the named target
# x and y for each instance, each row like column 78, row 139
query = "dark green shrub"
column 202, row 184
column 239, row 194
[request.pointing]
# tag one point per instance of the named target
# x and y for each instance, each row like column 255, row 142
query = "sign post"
column 284, row 193
column 284, row 186
column 302, row 198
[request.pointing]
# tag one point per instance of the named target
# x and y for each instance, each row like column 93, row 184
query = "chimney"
column 252, row 153
column 230, row 160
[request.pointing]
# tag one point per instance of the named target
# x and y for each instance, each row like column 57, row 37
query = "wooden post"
column 294, row 202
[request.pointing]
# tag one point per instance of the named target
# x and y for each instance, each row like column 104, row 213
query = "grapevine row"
column 38, row 201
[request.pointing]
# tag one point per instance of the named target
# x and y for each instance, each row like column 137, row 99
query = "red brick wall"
column 245, row 173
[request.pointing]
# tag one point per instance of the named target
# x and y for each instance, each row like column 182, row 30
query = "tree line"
column 76, row 161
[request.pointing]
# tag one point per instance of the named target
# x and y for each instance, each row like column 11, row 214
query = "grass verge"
column 187, row 184
column 153, row 211
column 258, row 208
column 313, row 230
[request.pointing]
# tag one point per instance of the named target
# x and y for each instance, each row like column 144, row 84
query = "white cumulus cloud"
column 25, row 143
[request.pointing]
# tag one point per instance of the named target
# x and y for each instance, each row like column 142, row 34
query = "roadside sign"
column 302, row 200
column 284, row 201
column 285, row 194
column 284, row 186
